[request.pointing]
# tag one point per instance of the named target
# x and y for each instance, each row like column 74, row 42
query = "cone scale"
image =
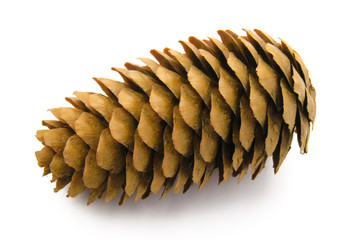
column 223, row 105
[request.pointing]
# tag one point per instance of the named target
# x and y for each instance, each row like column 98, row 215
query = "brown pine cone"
column 226, row 104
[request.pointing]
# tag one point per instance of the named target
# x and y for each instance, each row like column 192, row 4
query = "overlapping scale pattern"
column 226, row 105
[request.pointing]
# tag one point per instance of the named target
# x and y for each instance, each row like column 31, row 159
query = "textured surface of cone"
column 223, row 105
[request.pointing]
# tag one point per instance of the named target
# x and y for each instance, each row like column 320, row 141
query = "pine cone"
column 223, row 105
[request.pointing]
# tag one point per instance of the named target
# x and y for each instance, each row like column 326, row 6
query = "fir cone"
column 226, row 105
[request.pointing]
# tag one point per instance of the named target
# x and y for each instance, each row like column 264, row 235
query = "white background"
column 48, row 49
